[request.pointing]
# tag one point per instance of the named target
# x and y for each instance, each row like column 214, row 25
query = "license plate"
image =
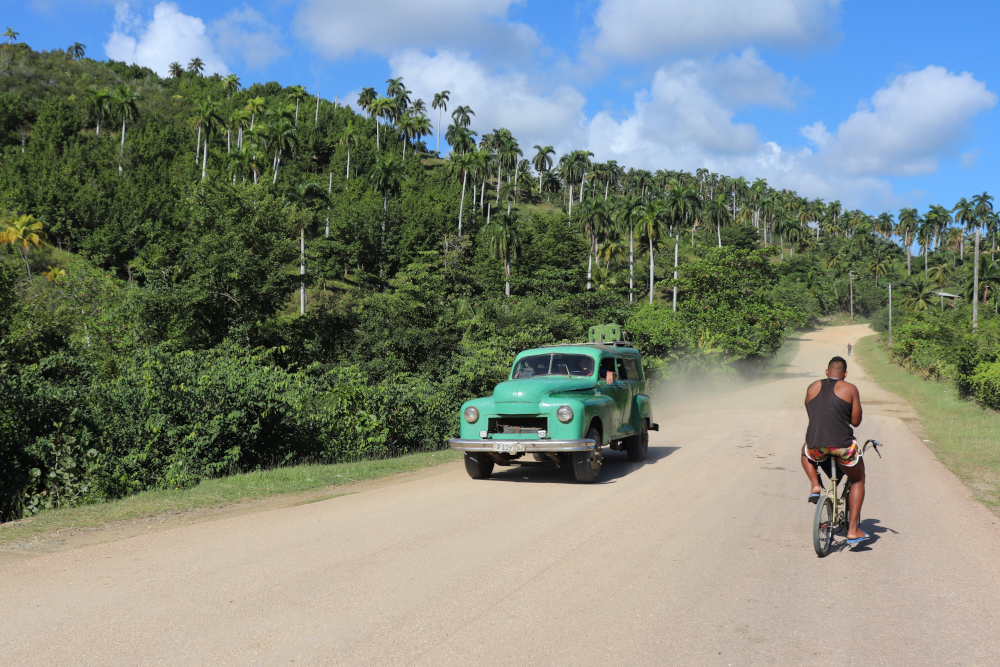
column 508, row 447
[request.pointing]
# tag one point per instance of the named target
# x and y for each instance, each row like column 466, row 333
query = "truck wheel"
column 637, row 446
column 479, row 466
column 541, row 457
column 587, row 465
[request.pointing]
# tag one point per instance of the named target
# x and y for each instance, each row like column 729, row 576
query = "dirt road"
column 701, row 556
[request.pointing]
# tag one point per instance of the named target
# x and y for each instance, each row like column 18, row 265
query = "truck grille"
column 518, row 424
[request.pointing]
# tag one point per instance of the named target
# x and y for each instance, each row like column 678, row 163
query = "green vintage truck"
column 562, row 404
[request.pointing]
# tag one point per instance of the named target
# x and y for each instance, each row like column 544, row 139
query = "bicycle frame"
column 839, row 514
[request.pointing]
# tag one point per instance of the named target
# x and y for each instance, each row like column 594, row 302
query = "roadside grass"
column 962, row 434
column 220, row 491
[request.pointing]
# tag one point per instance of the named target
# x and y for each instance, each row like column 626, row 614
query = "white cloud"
column 905, row 130
column 641, row 29
column 384, row 27
column 498, row 99
column 170, row 36
column 909, row 125
column 247, row 34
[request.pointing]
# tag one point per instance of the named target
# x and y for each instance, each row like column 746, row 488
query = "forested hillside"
column 200, row 277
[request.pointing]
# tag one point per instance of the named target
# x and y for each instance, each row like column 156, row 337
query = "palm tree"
column 386, row 176
column 23, row 232
column 196, row 66
column 206, row 118
column 461, row 164
column 123, row 103
column 11, row 35
column 504, row 243
column 651, row 226
column 716, row 215
column 542, row 162
column 296, row 94
column 628, row 216
column 347, row 135
column 380, row 107
column 284, row 139
column 413, row 127
column 253, row 106
column 176, row 70
column 594, row 214
column 309, row 196
column 982, row 207
column 965, row 217
column 460, row 138
column 909, row 222
column 99, row 100
column 917, row 293
column 365, row 98
column 461, row 116
column 230, row 84
column 395, row 87
column 76, row 50
column 440, row 103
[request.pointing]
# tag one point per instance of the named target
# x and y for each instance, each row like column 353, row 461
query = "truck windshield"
column 567, row 365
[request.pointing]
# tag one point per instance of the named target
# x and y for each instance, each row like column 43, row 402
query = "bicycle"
column 832, row 510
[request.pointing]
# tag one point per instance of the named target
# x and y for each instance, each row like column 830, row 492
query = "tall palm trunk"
column 571, row 203
column 277, row 166
column 631, row 262
column 461, row 206
column 197, row 148
column 590, row 262
column 677, row 245
column 506, row 267
column 121, row 159
column 975, row 286
column 98, row 125
column 204, row 160
column 302, row 271
column 348, row 177
column 439, row 131
column 651, row 269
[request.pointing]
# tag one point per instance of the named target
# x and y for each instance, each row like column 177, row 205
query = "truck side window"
column 633, row 370
column 622, row 370
column 607, row 365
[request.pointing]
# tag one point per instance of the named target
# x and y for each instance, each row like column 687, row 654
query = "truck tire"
column 587, row 465
column 479, row 466
column 637, row 446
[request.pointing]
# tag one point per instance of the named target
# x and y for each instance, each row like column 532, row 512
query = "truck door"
column 618, row 392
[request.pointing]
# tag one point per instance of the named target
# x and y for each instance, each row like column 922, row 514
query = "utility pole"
column 975, row 285
column 890, row 314
column 851, row 278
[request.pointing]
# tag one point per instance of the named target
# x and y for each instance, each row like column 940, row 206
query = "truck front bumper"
column 518, row 446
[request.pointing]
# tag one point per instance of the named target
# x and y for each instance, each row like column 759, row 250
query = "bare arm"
column 855, row 406
column 811, row 393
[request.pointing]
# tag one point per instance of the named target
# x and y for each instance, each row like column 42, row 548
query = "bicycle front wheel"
column 823, row 526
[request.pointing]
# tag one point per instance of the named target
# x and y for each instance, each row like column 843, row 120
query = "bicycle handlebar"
column 875, row 445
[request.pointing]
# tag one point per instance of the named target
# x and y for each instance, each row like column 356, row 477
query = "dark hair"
column 838, row 363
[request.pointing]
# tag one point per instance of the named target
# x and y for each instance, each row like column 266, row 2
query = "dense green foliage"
column 152, row 328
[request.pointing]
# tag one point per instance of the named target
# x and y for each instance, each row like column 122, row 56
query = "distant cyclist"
column 834, row 407
column 849, row 348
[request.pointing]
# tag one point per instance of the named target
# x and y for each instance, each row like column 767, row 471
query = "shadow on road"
column 616, row 465
column 870, row 526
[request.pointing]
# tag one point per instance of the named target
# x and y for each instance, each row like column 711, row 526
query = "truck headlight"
column 471, row 415
column 564, row 414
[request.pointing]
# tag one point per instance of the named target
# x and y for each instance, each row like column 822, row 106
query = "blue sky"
column 878, row 104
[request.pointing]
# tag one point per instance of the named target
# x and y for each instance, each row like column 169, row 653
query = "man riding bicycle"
column 834, row 407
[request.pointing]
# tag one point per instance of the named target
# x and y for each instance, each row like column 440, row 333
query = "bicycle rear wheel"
column 823, row 526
